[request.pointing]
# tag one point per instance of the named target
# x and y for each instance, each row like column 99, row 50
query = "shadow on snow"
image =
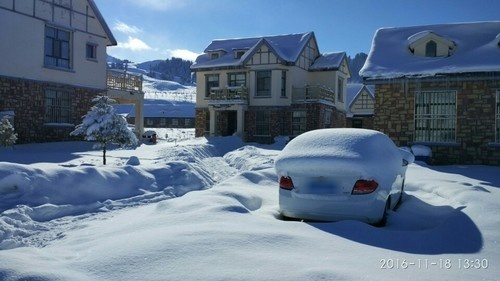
column 416, row 228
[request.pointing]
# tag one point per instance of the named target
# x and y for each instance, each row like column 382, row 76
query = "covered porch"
column 126, row 88
column 226, row 120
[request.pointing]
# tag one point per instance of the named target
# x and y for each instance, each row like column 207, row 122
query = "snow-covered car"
column 338, row 174
column 149, row 136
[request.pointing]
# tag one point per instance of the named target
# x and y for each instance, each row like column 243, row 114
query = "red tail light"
column 364, row 187
column 286, row 183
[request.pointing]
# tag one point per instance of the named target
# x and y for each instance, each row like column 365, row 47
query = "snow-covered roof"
column 157, row 109
column 124, row 109
column 477, row 50
column 329, row 61
column 355, row 89
column 286, row 47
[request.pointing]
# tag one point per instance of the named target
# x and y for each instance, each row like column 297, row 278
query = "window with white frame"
column 262, row 119
column 57, row 47
column 236, row 79
column 497, row 118
column 298, row 122
column 263, row 81
column 212, row 81
column 91, row 51
column 435, row 116
column 57, row 107
column 327, row 118
column 431, row 49
column 283, row 84
column 340, row 89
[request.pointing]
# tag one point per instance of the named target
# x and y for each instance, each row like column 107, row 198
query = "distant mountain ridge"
column 172, row 69
column 355, row 64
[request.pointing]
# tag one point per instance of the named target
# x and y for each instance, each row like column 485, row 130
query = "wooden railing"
column 313, row 94
column 234, row 95
column 119, row 80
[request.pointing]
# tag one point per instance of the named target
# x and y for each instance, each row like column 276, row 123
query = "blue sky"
column 159, row 29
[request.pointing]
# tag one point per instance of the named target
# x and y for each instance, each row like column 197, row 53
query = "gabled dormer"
column 215, row 54
column 238, row 53
column 430, row 44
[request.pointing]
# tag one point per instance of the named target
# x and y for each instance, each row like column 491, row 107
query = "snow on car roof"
column 477, row 50
column 362, row 150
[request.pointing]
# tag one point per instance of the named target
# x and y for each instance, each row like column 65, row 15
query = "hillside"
column 172, row 69
column 356, row 63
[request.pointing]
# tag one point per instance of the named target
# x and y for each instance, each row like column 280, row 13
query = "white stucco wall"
column 22, row 38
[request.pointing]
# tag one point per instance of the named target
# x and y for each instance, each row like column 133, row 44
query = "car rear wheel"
column 400, row 197
column 383, row 220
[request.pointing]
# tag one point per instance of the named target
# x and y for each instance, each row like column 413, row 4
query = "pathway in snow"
column 166, row 171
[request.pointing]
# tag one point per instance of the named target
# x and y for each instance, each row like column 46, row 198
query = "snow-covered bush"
column 422, row 153
column 103, row 125
column 7, row 135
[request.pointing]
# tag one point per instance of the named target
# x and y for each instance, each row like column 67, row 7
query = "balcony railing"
column 119, row 80
column 313, row 94
column 228, row 95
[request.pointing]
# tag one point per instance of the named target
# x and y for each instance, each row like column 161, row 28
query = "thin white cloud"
column 181, row 53
column 134, row 44
column 162, row 5
column 125, row 28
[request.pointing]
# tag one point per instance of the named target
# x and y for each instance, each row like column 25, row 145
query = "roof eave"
column 103, row 23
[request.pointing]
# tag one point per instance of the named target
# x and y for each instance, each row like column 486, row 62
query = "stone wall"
column 280, row 120
column 200, row 121
column 27, row 99
column 475, row 133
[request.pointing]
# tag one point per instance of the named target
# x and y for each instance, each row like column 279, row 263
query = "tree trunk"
column 104, row 155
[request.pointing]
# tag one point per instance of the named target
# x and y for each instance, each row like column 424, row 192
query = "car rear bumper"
column 367, row 208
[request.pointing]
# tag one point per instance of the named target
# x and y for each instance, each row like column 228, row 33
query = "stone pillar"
column 240, row 125
column 212, row 121
column 139, row 115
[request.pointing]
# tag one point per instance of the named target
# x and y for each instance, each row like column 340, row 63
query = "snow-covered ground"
column 206, row 209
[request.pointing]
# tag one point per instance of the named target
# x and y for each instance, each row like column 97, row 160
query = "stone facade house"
column 439, row 85
column 269, row 86
column 53, row 64
column 360, row 106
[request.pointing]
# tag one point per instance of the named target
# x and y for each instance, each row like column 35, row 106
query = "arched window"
column 431, row 49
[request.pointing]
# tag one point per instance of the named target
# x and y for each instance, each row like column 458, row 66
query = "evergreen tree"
column 103, row 125
column 7, row 135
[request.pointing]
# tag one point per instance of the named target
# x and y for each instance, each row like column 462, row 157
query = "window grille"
column 435, row 116
column 57, row 107
column 262, row 119
column 298, row 122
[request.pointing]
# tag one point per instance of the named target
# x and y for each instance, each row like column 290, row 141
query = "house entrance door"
column 232, row 123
